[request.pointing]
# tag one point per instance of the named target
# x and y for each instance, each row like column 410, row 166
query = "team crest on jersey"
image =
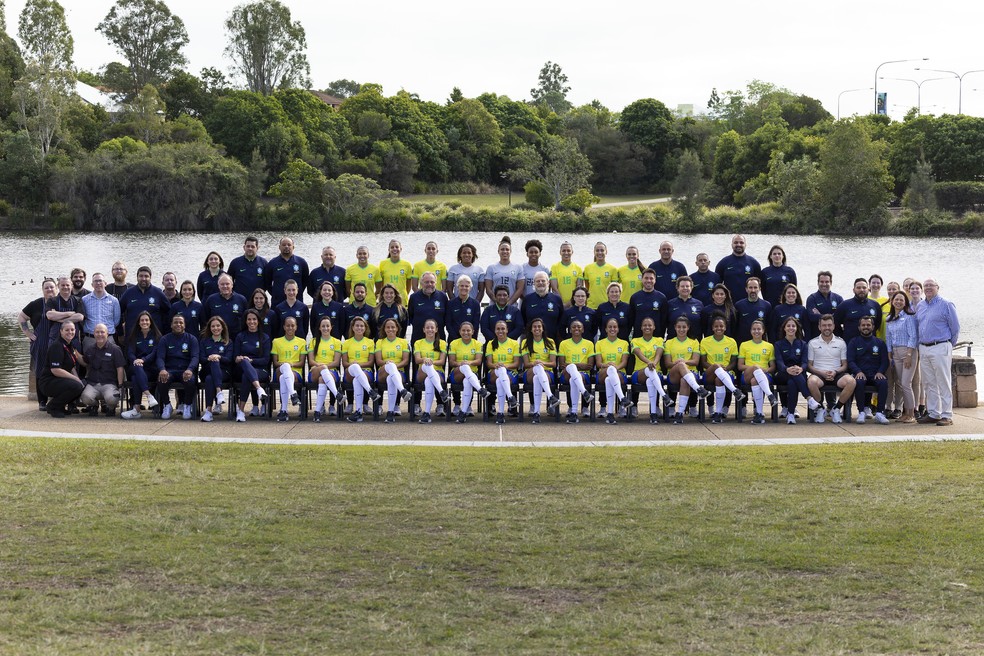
column 184, row 347
column 673, row 276
column 584, row 351
column 798, row 351
column 871, row 311
column 655, row 305
column 727, row 349
column 509, row 350
column 437, row 304
column 874, row 349
column 235, row 308
column 257, row 344
column 508, row 317
column 550, row 306
column 259, row 271
column 765, row 351
column 151, row 302
column 761, row 314
column 748, row 269
column 221, row 348
column 784, row 277
column 194, row 313
column 621, row 315
column 693, row 309
column 150, row 342
column 297, row 268
column 468, row 311
column 297, row 313
column 833, row 304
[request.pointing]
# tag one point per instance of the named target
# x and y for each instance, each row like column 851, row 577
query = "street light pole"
column 918, row 87
column 894, row 61
column 847, row 91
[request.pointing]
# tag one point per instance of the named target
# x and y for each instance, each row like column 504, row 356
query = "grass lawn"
column 227, row 549
column 480, row 201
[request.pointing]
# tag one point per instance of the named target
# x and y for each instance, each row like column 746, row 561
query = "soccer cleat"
column 717, row 418
column 355, row 417
column 166, row 411
column 535, row 418
column 406, row 394
column 610, row 419
column 820, row 416
column 625, row 403
column 572, row 418
column 633, row 411
column 133, row 413
column 459, row 417
column 739, row 396
column 881, row 418
column 240, row 416
column 835, row 416
column 513, row 403
column 207, row 416
column 282, row 415
column 425, row 418
column 375, row 395
column 317, row 417
column 500, row 418
column 678, row 418
column 861, row 417
column 553, row 402
column 772, row 399
column 759, row 418
column 295, row 400
column 390, row 417
column 702, row 393
column 444, row 397
column 484, row 393
column 587, row 399
column 653, row 418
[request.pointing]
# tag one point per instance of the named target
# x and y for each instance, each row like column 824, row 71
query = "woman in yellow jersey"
column 719, row 359
column 396, row 271
column 681, row 355
column 465, row 356
column 648, row 351
column 288, row 364
column 539, row 360
column 324, row 358
column 392, row 360
column 630, row 275
column 366, row 273
column 598, row 275
column 502, row 360
column 358, row 358
column 757, row 360
column 565, row 276
column 429, row 263
column 430, row 353
column 612, row 356
column 577, row 358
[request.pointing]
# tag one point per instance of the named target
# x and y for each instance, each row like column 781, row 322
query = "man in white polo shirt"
column 827, row 361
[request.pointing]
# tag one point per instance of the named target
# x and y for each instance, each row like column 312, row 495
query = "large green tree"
column 149, row 36
column 649, row 123
column 561, row 167
column 266, row 47
column 551, row 89
column 474, row 139
column 617, row 163
column 854, row 182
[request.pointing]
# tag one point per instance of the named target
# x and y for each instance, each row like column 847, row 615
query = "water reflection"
column 30, row 256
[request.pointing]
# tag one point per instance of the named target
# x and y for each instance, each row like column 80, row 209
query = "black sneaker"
column 513, row 404
column 406, row 394
column 355, row 417
column 653, row 418
column 282, row 415
column 678, row 419
column 295, row 399
column 425, row 418
column 317, row 417
column 390, row 418
column 610, row 419
column 717, row 418
column 460, row 417
column 484, row 393
column 444, row 397
column 572, row 418
column 535, row 418
column 739, row 396
column 702, row 393
column 500, row 418
column 626, row 403
column 587, row 399
column 772, row 399
column 374, row 395
column 758, row 418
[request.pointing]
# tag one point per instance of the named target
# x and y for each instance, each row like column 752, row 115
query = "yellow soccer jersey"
column 684, row 350
column 396, row 274
column 760, row 354
column 611, row 352
column 631, row 280
column 719, row 353
column 507, row 352
column 326, row 349
column 368, row 275
column 577, row 352
column 885, row 307
column 598, row 279
column 439, row 269
column 290, row 351
column 568, row 277
column 431, row 350
column 648, row 349
column 466, row 352
column 541, row 353
column 359, row 350
column 392, row 351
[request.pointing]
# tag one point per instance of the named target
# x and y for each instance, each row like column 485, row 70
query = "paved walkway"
column 20, row 417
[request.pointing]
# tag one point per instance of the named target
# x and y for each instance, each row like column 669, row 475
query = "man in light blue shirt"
column 939, row 329
column 101, row 307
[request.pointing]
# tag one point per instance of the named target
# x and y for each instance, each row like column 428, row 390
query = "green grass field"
column 208, row 549
column 480, row 201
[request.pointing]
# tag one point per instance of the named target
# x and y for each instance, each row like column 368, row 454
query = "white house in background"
column 97, row 97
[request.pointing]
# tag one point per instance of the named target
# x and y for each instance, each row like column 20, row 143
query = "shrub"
column 538, row 194
column 959, row 196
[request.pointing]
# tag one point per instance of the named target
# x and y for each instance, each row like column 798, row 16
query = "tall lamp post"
column 894, row 61
column 848, row 91
column 918, row 87
column 960, row 82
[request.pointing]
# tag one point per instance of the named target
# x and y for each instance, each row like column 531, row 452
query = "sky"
column 614, row 52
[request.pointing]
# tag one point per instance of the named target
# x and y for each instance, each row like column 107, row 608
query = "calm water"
column 27, row 257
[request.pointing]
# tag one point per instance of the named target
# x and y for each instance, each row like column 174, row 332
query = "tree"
column 552, row 89
column 266, row 47
column 11, row 69
column 474, row 138
column 353, row 196
column 921, row 195
column 855, row 185
column 617, row 162
column 688, row 185
column 149, row 36
column 45, row 36
column 562, row 167
column 343, row 88
column 796, row 184
column 649, row 123
column 145, row 115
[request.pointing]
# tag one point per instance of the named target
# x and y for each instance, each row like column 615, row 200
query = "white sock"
column 614, row 377
column 360, row 384
column 322, row 393
column 503, row 387
column 653, row 387
column 725, row 378
column 757, row 396
column 692, row 381
column 392, row 389
column 763, row 380
column 395, row 374
column 719, row 394
column 329, row 380
column 286, row 384
column 428, row 393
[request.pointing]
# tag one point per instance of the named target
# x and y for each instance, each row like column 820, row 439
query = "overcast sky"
column 615, row 52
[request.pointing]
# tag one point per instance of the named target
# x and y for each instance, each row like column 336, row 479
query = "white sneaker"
column 783, row 413
column 207, row 415
column 790, row 419
column 694, row 412
column 261, row 393
column 812, row 404
column 835, row 416
column 186, row 413
column 257, row 411
column 881, row 418
column 861, row 417
column 348, row 409
column 151, row 401
column 133, row 413
column 181, row 408
column 220, row 397
column 332, row 410
column 820, row 416
column 456, row 410
column 166, row 411
column 240, row 416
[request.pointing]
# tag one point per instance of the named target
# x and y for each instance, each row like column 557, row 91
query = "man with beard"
column 867, row 359
column 78, row 283
column 119, row 285
column 826, row 358
column 247, row 269
column 649, row 303
column 823, row 301
column 737, row 268
column 359, row 308
column 282, row 268
column 65, row 308
column 849, row 313
column 144, row 296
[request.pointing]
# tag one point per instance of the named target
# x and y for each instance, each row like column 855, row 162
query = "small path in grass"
column 650, row 201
